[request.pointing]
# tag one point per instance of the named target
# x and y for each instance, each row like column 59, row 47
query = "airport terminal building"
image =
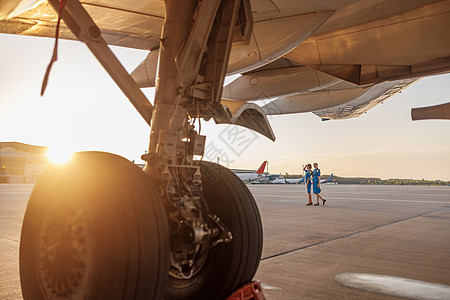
column 21, row 163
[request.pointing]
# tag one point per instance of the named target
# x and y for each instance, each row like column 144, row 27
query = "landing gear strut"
column 215, row 229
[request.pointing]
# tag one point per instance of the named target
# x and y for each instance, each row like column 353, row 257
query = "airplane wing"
column 279, row 181
column 348, row 66
column 337, row 59
column 294, row 180
column 386, row 47
column 122, row 23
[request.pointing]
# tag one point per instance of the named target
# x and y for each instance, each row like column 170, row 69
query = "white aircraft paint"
column 394, row 286
column 269, row 287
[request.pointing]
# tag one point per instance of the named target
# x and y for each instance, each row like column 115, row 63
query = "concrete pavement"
column 13, row 201
column 399, row 231
column 391, row 230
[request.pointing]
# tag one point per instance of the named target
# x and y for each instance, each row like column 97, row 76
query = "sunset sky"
column 83, row 109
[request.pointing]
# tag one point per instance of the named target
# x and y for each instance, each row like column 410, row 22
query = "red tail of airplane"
column 262, row 168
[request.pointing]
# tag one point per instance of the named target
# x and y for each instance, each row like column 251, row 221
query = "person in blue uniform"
column 308, row 174
column 316, row 184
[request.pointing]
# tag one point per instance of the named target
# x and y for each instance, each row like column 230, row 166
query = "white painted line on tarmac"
column 392, row 200
column 364, row 193
column 394, row 286
column 359, row 199
column 269, row 287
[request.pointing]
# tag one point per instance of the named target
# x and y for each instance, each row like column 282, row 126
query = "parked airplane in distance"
column 298, row 180
column 288, row 180
column 249, row 176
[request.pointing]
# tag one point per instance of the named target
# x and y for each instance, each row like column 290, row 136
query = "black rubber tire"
column 95, row 228
column 229, row 265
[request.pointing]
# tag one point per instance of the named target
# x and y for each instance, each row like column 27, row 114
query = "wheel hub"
column 187, row 261
column 194, row 230
column 63, row 254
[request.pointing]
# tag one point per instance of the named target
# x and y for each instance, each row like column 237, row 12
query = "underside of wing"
column 410, row 43
column 335, row 58
column 122, row 22
column 365, row 53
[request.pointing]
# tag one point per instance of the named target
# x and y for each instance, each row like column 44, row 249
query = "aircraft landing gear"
column 100, row 228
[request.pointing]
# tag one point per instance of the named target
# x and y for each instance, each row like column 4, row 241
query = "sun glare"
column 59, row 155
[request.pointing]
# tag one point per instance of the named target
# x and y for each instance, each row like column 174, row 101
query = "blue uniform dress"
column 308, row 175
column 315, row 180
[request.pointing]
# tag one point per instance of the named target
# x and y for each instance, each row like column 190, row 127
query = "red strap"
column 62, row 4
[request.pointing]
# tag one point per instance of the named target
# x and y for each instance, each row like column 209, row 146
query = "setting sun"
column 59, row 155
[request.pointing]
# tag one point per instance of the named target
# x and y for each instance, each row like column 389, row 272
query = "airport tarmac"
column 399, row 231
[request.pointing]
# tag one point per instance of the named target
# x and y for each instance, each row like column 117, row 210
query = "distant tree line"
column 378, row 181
column 391, row 181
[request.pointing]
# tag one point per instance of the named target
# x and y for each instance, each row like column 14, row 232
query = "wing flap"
column 248, row 115
column 364, row 103
column 341, row 101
